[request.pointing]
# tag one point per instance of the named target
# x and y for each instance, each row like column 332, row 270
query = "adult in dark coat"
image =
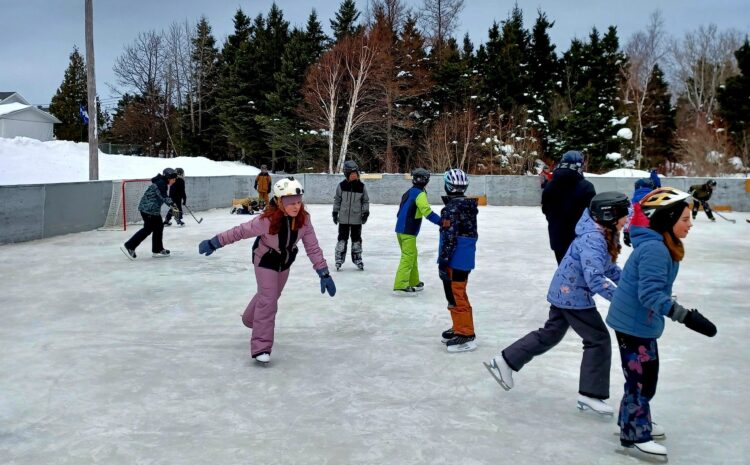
column 564, row 200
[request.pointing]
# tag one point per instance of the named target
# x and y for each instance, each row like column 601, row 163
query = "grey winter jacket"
column 155, row 195
column 351, row 202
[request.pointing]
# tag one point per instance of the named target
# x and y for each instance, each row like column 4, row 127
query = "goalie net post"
column 123, row 207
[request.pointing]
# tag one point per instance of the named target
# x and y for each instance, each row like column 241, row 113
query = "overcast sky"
column 37, row 36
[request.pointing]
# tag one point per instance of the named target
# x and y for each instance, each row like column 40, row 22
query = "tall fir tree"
column 734, row 102
column 658, row 121
column 346, row 21
column 543, row 78
column 204, row 136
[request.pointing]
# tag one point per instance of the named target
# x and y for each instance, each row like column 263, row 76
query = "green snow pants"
column 408, row 273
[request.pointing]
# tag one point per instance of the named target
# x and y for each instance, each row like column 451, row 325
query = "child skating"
column 644, row 297
column 414, row 206
column 701, row 195
column 277, row 231
column 589, row 267
column 351, row 207
column 178, row 196
column 456, row 254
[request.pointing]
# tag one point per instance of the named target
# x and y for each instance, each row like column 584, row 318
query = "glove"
column 443, row 273
column 326, row 282
column 364, row 217
column 626, row 238
column 692, row 319
column 208, row 246
column 335, row 217
column 699, row 323
column 175, row 212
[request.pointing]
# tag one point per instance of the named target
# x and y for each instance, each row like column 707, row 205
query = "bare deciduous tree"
column 439, row 19
column 450, row 141
column 701, row 62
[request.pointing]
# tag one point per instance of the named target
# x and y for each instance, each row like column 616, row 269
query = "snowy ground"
column 110, row 361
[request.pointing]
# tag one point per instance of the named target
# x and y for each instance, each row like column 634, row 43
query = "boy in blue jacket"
column 456, row 253
column 644, row 297
column 589, row 267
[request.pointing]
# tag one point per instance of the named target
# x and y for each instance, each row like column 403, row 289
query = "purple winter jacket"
column 268, row 244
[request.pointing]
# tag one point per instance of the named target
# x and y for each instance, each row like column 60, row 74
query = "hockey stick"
column 724, row 217
column 191, row 214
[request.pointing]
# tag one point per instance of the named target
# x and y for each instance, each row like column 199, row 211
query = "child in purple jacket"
column 589, row 267
column 277, row 231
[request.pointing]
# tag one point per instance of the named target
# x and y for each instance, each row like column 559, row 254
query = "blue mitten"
column 326, row 282
column 208, row 246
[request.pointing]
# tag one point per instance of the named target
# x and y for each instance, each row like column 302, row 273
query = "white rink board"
column 109, row 361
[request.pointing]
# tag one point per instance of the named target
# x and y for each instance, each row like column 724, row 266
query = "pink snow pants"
column 260, row 314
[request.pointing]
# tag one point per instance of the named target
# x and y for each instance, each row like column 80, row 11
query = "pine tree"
column 543, row 78
column 658, row 120
column 734, row 102
column 69, row 98
column 346, row 21
column 204, row 136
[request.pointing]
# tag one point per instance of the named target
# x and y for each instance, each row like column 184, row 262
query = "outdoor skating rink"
column 111, row 361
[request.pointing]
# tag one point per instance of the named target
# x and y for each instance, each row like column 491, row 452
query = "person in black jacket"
column 564, row 200
column 701, row 195
column 178, row 196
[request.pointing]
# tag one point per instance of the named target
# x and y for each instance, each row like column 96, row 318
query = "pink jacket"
column 260, row 226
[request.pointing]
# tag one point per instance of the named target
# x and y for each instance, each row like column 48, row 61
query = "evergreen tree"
column 543, row 78
column 346, row 21
column 68, row 100
column 204, row 136
column 734, row 101
column 658, row 120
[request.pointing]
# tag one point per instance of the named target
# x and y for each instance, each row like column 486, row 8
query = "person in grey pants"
column 351, row 207
column 589, row 267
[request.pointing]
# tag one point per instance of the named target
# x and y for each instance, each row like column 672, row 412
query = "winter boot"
column 447, row 335
column 163, row 254
column 357, row 255
column 461, row 343
column 130, row 253
column 501, row 371
column 597, row 405
column 263, row 357
column 340, row 254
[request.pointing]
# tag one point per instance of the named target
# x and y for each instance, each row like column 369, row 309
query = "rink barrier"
column 29, row 212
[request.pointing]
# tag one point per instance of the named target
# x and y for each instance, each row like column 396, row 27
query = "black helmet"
column 608, row 207
column 169, row 173
column 180, row 171
column 350, row 166
column 711, row 183
column 420, row 177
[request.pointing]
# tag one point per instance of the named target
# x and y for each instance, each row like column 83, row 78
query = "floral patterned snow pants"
column 640, row 364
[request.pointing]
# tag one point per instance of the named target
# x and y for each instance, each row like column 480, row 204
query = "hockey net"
column 123, row 208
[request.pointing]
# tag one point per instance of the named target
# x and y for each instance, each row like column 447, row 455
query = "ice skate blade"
column 641, row 455
column 496, row 376
column 467, row 347
column 125, row 251
column 583, row 407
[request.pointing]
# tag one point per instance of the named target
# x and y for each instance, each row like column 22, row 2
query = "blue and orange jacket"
column 413, row 208
column 458, row 233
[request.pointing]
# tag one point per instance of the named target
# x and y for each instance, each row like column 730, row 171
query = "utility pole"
column 91, row 85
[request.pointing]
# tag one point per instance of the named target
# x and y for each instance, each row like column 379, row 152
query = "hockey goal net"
column 123, row 208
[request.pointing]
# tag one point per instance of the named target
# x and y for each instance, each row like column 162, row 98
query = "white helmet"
column 287, row 186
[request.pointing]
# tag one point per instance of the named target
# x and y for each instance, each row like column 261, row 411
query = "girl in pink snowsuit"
column 277, row 231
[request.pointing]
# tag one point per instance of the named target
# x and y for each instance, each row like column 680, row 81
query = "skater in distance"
column 351, row 208
column 276, row 231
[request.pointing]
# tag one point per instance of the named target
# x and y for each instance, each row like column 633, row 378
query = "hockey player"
column 263, row 184
column 351, row 207
column 178, row 196
column 413, row 208
column 644, row 297
column 456, row 253
column 589, row 267
column 277, row 231
column 564, row 200
column 701, row 195
column 150, row 208
column 642, row 187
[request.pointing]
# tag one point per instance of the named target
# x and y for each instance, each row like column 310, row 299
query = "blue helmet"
column 456, row 181
column 573, row 160
column 645, row 183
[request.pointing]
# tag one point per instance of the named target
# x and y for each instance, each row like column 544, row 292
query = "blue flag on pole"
column 84, row 114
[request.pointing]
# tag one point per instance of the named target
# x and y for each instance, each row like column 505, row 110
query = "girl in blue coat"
column 644, row 297
column 589, row 267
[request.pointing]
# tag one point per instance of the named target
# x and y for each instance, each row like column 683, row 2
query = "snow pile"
column 625, row 133
column 614, row 156
column 29, row 161
column 622, row 173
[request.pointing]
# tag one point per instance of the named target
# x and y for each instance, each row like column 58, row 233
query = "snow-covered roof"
column 12, row 97
column 10, row 108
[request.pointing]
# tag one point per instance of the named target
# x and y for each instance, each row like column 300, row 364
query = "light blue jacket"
column 584, row 270
column 644, row 295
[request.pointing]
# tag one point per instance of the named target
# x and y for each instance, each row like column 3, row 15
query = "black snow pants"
column 153, row 225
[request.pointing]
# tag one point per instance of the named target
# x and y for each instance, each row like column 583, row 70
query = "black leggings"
column 356, row 230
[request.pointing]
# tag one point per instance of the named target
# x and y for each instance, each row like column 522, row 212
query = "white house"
column 19, row 118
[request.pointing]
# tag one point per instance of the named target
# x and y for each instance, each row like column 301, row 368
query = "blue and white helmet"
column 456, row 181
column 573, row 160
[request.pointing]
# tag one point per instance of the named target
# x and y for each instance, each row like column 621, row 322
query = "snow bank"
column 29, row 161
column 622, row 173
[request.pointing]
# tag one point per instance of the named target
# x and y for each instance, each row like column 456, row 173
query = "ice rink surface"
column 111, row 361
